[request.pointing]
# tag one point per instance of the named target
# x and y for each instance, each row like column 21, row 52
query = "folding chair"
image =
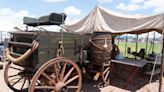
column 141, row 53
column 129, row 52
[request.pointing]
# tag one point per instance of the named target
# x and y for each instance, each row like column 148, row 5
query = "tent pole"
column 153, row 42
column 147, row 42
column 126, row 44
column 162, row 59
column 136, row 44
column 118, row 39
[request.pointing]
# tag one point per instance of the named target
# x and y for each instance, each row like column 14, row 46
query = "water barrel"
column 100, row 47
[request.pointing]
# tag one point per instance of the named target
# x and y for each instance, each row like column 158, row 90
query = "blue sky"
column 13, row 11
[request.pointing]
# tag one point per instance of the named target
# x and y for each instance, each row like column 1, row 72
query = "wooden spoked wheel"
column 106, row 74
column 58, row 75
column 16, row 77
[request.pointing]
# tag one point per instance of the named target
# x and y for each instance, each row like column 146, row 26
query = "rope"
column 62, row 30
column 24, row 56
column 60, row 49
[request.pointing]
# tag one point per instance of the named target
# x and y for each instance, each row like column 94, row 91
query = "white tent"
column 100, row 19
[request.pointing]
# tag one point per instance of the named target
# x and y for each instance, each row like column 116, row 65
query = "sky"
column 13, row 11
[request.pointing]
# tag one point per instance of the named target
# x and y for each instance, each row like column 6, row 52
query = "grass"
column 132, row 45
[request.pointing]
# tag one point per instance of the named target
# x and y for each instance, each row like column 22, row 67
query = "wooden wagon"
column 39, row 60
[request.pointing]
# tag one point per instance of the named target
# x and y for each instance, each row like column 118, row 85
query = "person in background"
column 115, row 50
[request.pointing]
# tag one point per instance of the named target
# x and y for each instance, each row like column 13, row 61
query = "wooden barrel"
column 100, row 47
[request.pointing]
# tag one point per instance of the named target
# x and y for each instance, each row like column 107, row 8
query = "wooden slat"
column 15, row 54
column 26, row 33
column 20, row 44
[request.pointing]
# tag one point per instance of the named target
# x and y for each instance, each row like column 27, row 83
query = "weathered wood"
column 20, row 44
column 48, row 45
column 23, row 33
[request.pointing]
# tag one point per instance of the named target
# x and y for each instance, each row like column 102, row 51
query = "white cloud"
column 54, row 1
column 104, row 1
column 158, row 5
column 136, row 1
column 159, row 9
column 132, row 7
column 10, row 19
column 121, row 6
column 71, row 10
column 70, row 21
column 129, row 7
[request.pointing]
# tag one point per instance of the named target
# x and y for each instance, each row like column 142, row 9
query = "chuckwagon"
column 40, row 60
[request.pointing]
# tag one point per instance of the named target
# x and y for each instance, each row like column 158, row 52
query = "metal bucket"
column 100, row 47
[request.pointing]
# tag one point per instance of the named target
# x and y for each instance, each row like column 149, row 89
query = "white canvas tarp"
column 100, row 19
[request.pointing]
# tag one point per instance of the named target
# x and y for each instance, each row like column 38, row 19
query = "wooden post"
column 136, row 44
column 118, row 39
column 126, row 44
column 147, row 39
column 153, row 42
column 162, row 64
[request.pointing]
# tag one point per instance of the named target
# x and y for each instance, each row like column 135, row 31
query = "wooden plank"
column 23, row 32
column 136, row 63
column 20, row 44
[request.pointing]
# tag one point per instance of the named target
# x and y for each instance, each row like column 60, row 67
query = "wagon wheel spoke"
column 45, row 87
column 12, row 75
column 45, row 75
column 17, row 81
column 106, row 70
column 72, row 79
column 38, row 83
column 63, row 71
column 68, row 74
column 72, row 87
column 107, row 75
column 15, row 77
column 16, row 68
column 56, row 72
column 23, row 84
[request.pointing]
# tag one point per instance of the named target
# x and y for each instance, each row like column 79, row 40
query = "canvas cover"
column 100, row 19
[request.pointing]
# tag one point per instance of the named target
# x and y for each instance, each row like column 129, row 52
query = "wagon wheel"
column 58, row 75
column 106, row 73
column 16, row 77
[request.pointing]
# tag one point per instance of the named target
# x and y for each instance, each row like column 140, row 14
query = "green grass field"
column 132, row 45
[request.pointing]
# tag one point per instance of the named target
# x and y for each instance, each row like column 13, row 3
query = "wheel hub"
column 60, row 86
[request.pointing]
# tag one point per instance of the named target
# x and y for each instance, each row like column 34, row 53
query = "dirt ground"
column 138, row 85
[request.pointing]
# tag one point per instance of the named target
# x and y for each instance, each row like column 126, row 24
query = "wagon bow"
column 35, row 45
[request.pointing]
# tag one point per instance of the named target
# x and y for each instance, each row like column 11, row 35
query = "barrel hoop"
column 100, row 39
column 95, row 44
column 102, row 57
